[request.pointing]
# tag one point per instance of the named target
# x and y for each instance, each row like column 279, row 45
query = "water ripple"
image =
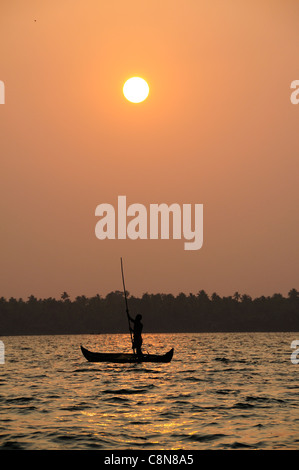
column 230, row 391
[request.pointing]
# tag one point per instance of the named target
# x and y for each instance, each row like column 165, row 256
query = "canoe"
column 125, row 357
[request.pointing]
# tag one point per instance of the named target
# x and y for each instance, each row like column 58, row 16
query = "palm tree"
column 215, row 297
column 202, row 295
column 65, row 297
column 293, row 294
column 246, row 298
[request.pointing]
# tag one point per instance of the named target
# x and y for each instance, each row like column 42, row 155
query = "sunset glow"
column 149, row 295
column 216, row 127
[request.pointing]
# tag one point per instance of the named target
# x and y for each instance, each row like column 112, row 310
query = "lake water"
column 221, row 391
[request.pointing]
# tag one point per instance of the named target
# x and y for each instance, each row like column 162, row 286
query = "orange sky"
column 218, row 129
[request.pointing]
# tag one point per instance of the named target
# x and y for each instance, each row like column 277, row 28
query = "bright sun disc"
column 136, row 89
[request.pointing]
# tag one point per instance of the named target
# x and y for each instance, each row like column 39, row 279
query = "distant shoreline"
column 162, row 313
column 151, row 333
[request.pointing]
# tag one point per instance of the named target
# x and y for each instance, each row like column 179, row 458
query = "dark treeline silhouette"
column 162, row 313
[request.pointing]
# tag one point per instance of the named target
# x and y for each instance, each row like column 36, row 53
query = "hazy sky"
column 218, row 129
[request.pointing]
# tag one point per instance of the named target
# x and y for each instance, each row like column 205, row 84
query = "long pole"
column 127, row 309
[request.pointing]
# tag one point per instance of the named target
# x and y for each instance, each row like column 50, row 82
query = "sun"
column 136, row 89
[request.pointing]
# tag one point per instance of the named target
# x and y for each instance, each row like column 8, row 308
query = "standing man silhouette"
column 137, row 330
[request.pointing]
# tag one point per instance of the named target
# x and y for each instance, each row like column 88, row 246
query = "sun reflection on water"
column 203, row 399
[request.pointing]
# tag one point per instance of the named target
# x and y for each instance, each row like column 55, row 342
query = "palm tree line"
column 161, row 313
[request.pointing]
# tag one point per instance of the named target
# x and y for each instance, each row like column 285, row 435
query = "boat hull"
column 122, row 358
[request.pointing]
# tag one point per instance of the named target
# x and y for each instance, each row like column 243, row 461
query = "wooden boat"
column 125, row 357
